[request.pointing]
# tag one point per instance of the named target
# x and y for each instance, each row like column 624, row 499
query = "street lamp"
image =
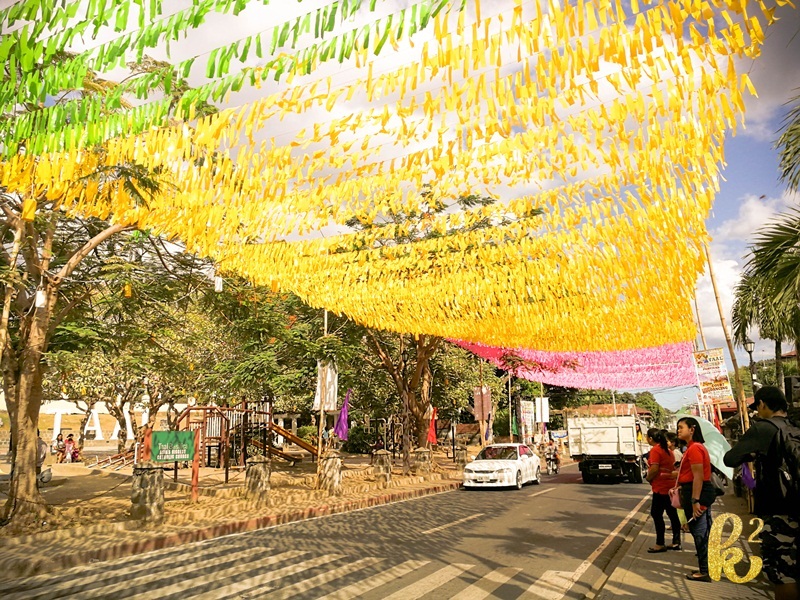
column 749, row 346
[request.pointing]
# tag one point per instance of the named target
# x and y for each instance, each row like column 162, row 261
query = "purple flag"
column 340, row 429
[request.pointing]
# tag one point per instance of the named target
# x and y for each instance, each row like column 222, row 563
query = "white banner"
column 542, row 410
column 327, row 385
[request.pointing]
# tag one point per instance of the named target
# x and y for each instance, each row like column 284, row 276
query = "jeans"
column 700, row 529
column 660, row 504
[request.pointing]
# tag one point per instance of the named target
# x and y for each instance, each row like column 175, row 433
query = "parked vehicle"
column 503, row 465
column 607, row 448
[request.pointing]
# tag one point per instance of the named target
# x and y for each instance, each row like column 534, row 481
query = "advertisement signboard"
column 527, row 419
column 712, row 376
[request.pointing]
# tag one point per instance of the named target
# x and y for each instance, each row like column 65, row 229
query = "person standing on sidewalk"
column 779, row 536
column 661, row 475
column 697, row 493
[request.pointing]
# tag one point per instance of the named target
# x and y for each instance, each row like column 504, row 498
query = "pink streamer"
column 669, row 365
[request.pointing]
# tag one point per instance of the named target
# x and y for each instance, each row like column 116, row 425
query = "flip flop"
column 698, row 577
column 656, row 550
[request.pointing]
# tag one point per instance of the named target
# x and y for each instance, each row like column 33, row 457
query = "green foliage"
column 308, row 433
column 500, row 423
column 358, row 441
column 789, row 147
column 35, row 37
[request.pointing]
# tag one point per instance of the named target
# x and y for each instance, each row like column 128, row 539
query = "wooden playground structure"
column 228, row 436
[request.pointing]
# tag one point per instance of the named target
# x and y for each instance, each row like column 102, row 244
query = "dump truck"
column 606, row 448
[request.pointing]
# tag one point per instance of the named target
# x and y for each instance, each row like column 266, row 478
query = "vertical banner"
column 712, row 377
column 482, row 397
column 542, row 410
column 528, row 420
column 327, row 385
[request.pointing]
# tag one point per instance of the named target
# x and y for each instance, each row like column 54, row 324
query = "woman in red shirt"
column 661, row 475
column 697, row 493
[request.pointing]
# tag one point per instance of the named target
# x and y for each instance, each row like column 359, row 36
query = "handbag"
column 675, row 493
column 675, row 497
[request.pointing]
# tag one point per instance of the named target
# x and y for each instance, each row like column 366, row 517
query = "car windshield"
column 497, row 453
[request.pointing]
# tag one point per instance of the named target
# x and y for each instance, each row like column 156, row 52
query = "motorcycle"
column 552, row 465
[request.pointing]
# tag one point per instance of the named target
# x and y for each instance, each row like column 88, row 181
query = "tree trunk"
column 779, row 365
column 25, row 505
column 421, row 405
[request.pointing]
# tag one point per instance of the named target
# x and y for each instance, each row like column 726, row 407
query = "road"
column 547, row 541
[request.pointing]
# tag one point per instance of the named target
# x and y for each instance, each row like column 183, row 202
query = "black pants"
column 660, row 504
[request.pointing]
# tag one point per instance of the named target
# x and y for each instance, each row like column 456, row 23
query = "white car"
column 503, row 465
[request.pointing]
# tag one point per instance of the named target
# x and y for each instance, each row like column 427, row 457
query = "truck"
column 607, row 448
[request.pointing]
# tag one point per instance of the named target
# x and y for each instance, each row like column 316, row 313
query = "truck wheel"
column 587, row 478
column 636, row 472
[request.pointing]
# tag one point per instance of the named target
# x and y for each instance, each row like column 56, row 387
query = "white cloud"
column 775, row 74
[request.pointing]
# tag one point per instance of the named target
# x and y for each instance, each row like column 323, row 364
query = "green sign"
column 171, row 446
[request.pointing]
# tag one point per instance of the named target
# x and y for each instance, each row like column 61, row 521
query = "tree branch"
column 93, row 243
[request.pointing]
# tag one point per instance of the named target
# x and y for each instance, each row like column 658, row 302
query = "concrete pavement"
column 663, row 576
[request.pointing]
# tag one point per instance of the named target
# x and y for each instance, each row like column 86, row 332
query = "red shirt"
column 666, row 464
column 696, row 454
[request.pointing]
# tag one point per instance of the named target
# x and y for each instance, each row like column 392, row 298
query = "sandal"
column 697, row 576
column 657, row 549
column 674, row 547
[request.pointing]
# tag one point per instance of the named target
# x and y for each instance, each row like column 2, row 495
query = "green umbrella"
column 717, row 446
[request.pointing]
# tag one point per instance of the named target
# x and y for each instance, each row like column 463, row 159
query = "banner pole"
column 741, row 402
column 196, row 466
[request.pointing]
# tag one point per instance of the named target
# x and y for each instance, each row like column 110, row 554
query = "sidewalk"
column 663, row 576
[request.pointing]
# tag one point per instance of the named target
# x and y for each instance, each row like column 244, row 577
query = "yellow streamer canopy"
column 608, row 118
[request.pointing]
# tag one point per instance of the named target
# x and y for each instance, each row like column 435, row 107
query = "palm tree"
column 754, row 307
column 789, row 147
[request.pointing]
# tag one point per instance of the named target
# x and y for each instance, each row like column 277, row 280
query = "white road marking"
column 464, row 520
column 429, row 583
column 552, row 585
column 535, row 590
column 211, row 580
column 133, row 576
column 301, row 587
column 539, row 493
column 484, row 587
column 362, row 587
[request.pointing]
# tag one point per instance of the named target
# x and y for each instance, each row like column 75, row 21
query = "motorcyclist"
column 552, row 456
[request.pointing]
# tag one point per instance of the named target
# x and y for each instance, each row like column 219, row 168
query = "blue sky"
column 751, row 193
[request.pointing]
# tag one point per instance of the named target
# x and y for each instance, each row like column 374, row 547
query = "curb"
column 25, row 567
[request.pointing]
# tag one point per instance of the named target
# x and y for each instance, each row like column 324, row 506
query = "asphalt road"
column 547, row 541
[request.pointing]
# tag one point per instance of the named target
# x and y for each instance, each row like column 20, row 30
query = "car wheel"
column 538, row 479
column 519, row 480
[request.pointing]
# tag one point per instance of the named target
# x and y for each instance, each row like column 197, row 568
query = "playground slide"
column 275, row 452
column 294, row 439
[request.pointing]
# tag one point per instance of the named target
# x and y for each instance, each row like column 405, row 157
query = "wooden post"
column 741, row 401
column 196, row 466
